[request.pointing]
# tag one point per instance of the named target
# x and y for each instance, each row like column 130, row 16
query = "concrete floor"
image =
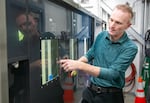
column 129, row 98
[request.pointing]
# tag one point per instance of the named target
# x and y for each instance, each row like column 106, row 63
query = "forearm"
column 83, row 59
column 90, row 69
column 71, row 65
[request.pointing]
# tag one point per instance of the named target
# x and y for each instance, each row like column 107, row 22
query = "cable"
column 130, row 80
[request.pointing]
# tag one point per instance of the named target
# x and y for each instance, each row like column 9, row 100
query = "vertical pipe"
column 145, row 17
column 71, row 49
column 144, row 23
column 4, row 96
column 43, row 61
column 85, row 45
column 49, row 46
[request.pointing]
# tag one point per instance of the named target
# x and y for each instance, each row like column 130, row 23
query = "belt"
column 99, row 89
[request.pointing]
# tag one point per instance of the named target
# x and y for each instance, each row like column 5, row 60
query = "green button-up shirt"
column 113, row 58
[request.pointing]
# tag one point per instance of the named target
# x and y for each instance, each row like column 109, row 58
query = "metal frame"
column 3, row 55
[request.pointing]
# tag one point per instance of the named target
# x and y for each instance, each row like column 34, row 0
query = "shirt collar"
column 120, row 41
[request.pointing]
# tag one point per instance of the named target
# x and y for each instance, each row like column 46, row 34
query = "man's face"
column 118, row 22
column 26, row 26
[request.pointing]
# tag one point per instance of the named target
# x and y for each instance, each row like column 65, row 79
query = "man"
column 28, row 26
column 26, row 23
column 112, row 53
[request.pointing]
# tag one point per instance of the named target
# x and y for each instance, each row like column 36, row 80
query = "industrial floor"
column 128, row 97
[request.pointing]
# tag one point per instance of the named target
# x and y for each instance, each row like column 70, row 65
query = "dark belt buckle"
column 99, row 90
